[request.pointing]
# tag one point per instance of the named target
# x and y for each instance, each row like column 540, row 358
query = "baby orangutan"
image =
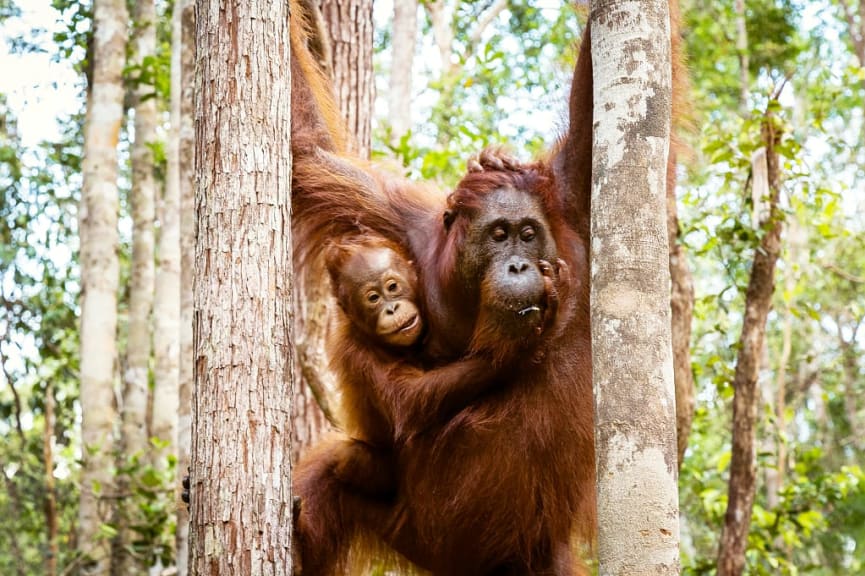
column 388, row 396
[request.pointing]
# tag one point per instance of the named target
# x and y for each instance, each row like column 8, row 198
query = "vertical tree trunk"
column 182, row 119
column 401, row 68
column 99, row 278
column 682, row 310
column 166, row 310
column 50, row 492
column 742, row 53
column 136, row 377
column 635, row 416
column 314, row 386
column 758, row 300
column 241, row 473
column 143, row 202
column 350, row 25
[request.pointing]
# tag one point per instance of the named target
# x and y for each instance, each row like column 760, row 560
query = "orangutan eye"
column 372, row 297
column 527, row 234
column 499, row 234
column 392, row 286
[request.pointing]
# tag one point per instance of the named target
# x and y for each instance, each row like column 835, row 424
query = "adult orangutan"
column 506, row 484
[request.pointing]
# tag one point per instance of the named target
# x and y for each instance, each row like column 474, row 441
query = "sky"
column 38, row 90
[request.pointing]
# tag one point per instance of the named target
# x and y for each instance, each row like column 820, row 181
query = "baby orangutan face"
column 377, row 291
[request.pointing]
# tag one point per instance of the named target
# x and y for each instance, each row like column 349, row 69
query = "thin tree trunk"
column 350, row 25
column 241, row 439
column 314, row 386
column 850, row 371
column 99, row 279
column 183, row 110
column 50, row 490
column 742, row 53
column 143, row 202
column 635, row 415
column 12, row 536
column 441, row 18
column 402, row 64
column 682, row 308
column 136, row 376
column 166, row 310
column 758, row 300
column 775, row 477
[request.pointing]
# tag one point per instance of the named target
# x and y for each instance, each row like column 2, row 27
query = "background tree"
column 135, row 433
column 99, row 279
column 809, row 506
column 401, row 68
column 634, row 392
column 183, row 132
column 241, row 514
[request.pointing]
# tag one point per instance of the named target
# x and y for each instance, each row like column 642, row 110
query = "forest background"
column 484, row 72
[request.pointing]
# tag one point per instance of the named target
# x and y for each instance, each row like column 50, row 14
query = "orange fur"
column 506, row 482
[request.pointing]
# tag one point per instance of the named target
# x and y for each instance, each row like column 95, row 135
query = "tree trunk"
column 758, row 300
column 314, row 387
column 182, row 120
column 350, row 25
column 53, row 551
column 136, row 377
column 682, row 309
column 638, row 530
column 441, row 18
column 402, row 63
column 166, row 311
column 241, row 439
column 99, row 278
column 742, row 53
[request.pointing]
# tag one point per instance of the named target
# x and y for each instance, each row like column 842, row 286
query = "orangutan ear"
column 449, row 217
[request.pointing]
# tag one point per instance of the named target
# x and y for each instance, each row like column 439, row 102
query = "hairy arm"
column 420, row 398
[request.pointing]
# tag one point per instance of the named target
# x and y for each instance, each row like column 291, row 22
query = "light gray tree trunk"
column 742, row 53
column 402, row 64
column 143, row 203
column 166, row 309
column 99, row 279
column 136, row 377
column 635, row 412
column 241, row 428
column 167, row 302
column 182, row 120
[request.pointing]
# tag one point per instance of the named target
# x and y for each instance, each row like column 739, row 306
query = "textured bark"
column 182, row 120
column 402, row 63
column 682, row 308
column 99, row 279
column 241, row 428
column 758, row 300
column 350, row 26
column 635, row 415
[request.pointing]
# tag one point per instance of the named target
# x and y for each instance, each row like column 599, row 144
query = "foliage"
column 511, row 88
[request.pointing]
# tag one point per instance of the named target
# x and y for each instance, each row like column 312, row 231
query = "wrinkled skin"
column 376, row 289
